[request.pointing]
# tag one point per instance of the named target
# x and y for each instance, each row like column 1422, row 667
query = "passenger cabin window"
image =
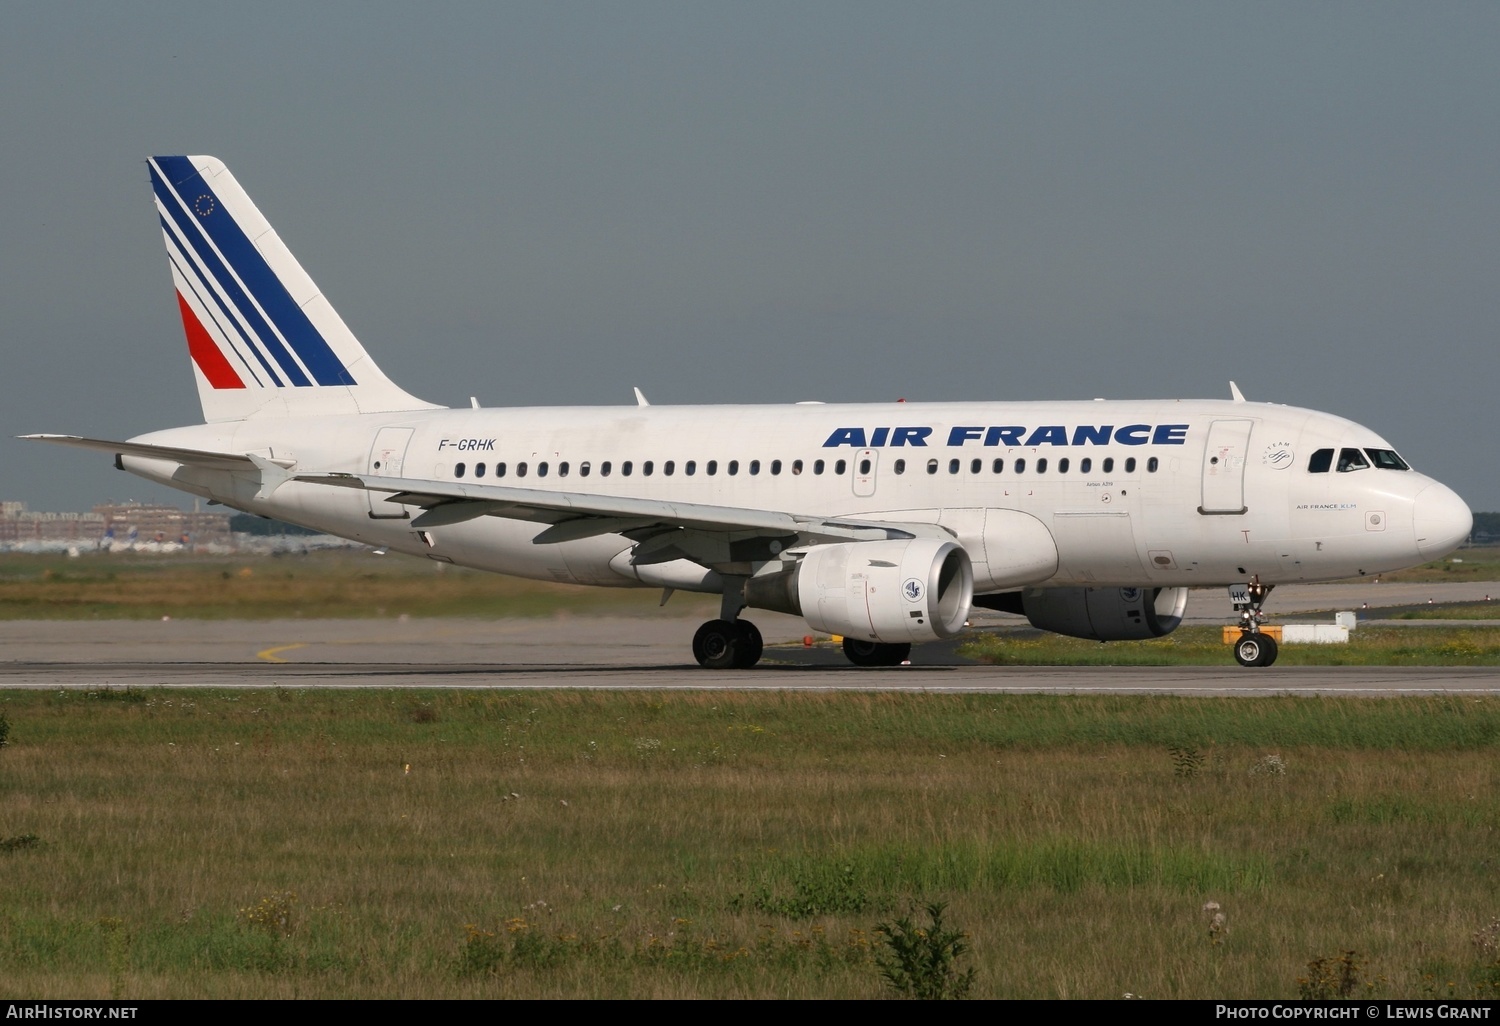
column 975, row 466
column 775, row 466
column 864, row 466
column 953, row 466
column 818, row 466
column 734, row 467
column 647, row 468
column 1152, row 464
column 499, row 469
column 521, row 469
column 690, row 467
column 712, row 468
column 626, row 468
column 1130, row 464
column 796, row 466
column 1062, row 465
column 562, row 469
column 840, row 467
column 754, row 467
column 541, row 469
column 1352, row 459
column 668, row 467
column 605, row 468
column 932, row 466
column 1020, row 466
column 998, row 467
column 899, row 466
column 1109, row 464
column 479, row 470
column 1041, row 465
column 1085, row 465
column 1386, row 459
column 458, row 470
column 583, row 468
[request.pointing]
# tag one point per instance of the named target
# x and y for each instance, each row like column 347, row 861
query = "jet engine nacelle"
column 888, row 591
column 1106, row 614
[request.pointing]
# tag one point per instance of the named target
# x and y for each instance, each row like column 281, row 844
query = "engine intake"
column 889, row 591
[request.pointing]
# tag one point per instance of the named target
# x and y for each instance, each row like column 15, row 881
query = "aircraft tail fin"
column 263, row 339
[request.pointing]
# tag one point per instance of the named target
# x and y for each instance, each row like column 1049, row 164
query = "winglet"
column 1235, row 393
column 640, row 398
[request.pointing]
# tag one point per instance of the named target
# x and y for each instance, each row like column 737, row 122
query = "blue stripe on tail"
column 215, row 222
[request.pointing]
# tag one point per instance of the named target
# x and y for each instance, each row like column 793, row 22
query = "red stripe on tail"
column 205, row 351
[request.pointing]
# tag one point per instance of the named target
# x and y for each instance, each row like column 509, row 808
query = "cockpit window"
column 1352, row 459
column 1321, row 462
column 1386, row 459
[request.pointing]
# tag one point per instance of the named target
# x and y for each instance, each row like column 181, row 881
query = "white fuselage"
column 1168, row 493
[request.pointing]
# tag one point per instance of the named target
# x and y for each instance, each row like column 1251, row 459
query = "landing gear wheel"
column 749, row 647
column 875, row 653
column 1255, row 650
column 1269, row 650
column 717, row 644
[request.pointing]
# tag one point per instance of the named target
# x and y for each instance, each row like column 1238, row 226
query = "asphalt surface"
column 652, row 653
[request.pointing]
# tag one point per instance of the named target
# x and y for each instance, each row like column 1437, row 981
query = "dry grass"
column 274, row 844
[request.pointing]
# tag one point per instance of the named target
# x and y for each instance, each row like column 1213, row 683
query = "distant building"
column 114, row 525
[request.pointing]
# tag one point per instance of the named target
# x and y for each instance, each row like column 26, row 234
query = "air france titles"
column 1012, row 435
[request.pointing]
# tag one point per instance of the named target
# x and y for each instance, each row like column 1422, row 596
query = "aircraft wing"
column 575, row 515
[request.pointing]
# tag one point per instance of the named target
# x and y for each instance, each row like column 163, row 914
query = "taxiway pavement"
column 651, row 653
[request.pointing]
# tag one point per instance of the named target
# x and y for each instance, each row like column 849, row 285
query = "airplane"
column 883, row 523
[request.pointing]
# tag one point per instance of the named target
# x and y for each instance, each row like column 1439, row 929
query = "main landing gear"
column 727, row 645
column 730, row 643
column 875, row 653
column 1254, row 647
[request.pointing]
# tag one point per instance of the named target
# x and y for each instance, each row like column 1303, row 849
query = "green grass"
column 1449, row 611
column 337, row 584
column 1203, row 646
column 280, row 843
column 1476, row 563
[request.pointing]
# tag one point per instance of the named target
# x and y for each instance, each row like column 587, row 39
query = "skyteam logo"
column 912, row 589
column 1278, row 456
column 1130, row 594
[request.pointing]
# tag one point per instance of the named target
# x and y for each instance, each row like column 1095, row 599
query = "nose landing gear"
column 1254, row 647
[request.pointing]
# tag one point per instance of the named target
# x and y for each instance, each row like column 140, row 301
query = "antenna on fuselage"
column 1235, row 393
column 640, row 398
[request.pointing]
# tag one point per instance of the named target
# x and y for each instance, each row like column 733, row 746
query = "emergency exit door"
column 387, row 459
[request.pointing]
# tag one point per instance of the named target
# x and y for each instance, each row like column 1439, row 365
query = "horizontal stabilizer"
column 190, row 457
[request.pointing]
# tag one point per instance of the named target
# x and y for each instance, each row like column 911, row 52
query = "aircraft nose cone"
column 1441, row 519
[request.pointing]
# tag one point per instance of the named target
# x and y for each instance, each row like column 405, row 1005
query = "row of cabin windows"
column 1352, row 459
column 1018, row 466
column 840, row 467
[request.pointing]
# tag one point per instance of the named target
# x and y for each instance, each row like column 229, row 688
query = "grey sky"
column 765, row 202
